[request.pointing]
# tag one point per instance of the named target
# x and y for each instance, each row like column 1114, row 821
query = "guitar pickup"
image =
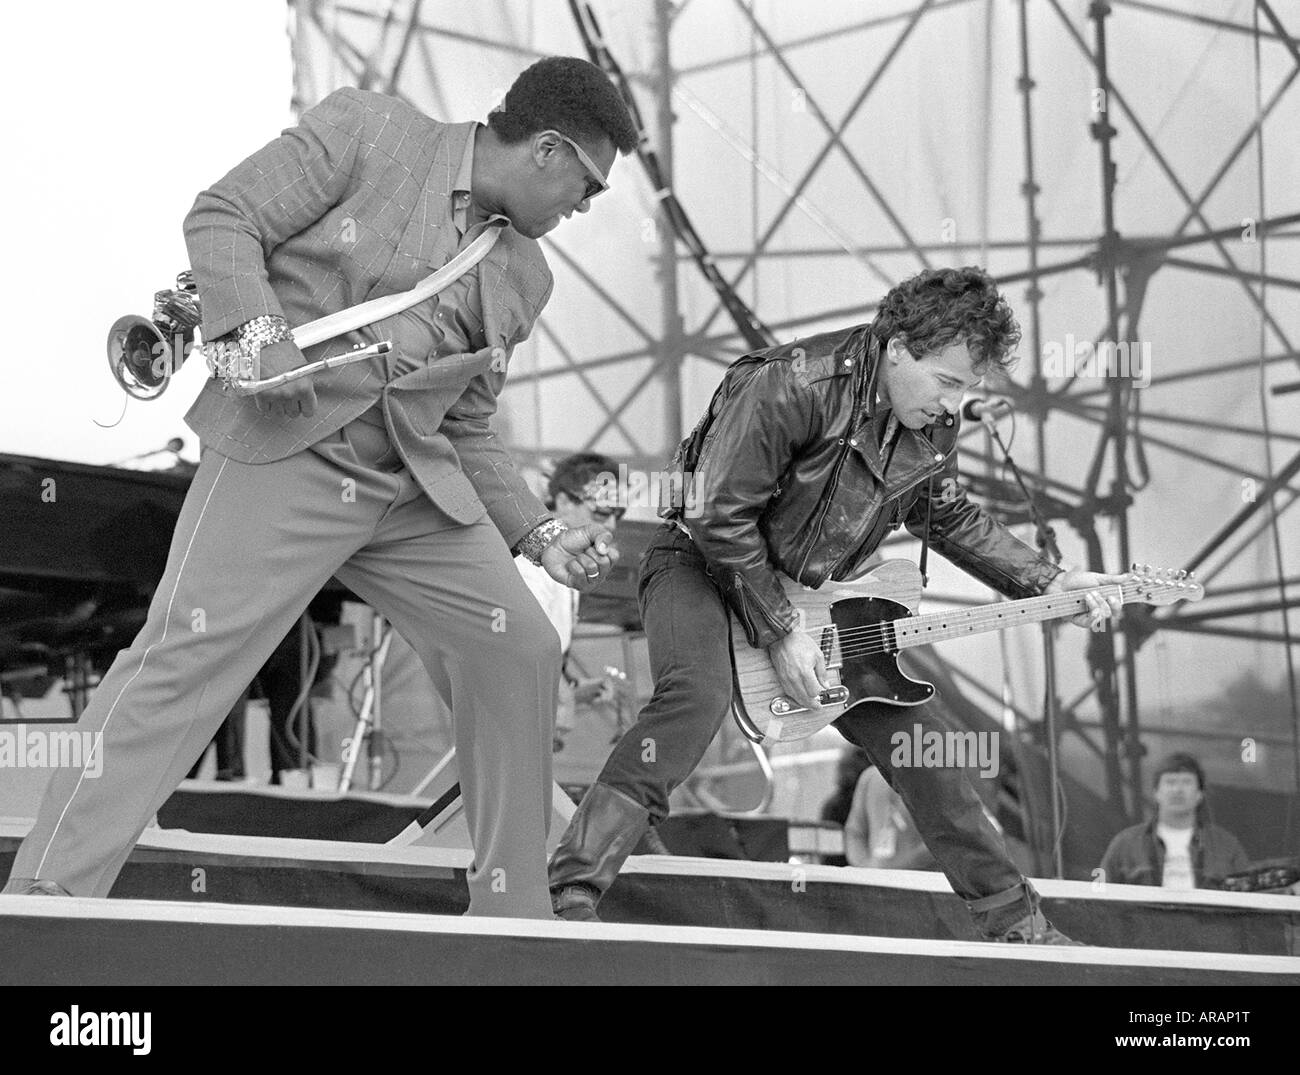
column 781, row 707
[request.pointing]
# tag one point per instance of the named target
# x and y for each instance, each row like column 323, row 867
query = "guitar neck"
column 956, row 623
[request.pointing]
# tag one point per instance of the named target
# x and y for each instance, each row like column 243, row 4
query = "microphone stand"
column 173, row 446
column 369, row 726
column 1046, row 538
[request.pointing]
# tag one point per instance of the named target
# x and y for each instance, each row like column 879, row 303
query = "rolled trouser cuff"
column 994, row 915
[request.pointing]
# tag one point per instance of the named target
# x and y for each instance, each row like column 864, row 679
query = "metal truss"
column 376, row 45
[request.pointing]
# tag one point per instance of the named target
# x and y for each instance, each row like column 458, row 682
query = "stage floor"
column 257, row 909
column 148, row 942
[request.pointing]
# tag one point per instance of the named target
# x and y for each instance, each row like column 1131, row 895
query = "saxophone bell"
column 142, row 353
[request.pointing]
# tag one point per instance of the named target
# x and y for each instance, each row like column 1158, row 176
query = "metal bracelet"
column 227, row 360
column 236, row 356
column 538, row 540
column 263, row 331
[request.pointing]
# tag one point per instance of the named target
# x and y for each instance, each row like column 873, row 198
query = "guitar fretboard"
column 940, row 626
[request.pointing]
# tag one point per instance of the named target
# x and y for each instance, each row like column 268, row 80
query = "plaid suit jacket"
column 352, row 204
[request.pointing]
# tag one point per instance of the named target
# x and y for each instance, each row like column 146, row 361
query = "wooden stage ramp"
column 146, row 942
column 195, row 908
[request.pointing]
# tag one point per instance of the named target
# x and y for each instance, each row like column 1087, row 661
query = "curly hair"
column 574, row 473
column 938, row 307
column 569, row 95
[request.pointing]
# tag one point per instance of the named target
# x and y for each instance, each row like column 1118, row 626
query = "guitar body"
column 849, row 620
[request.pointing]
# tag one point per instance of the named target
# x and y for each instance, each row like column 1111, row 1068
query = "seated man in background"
column 853, row 762
column 1178, row 848
column 879, row 832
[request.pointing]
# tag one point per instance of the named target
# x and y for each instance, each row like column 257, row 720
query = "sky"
column 123, row 111
column 127, row 110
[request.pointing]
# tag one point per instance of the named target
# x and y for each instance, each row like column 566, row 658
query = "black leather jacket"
column 783, row 473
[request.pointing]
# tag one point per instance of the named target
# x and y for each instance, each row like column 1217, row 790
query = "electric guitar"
column 862, row 625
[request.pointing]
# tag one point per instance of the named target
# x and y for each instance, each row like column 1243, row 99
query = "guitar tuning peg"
column 1182, row 574
column 1169, row 572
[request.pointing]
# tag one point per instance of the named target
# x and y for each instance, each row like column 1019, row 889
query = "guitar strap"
column 925, row 538
column 372, row 310
column 240, row 369
column 874, row 353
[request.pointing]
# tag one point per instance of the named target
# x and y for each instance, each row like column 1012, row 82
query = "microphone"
column 174, row 446
column 987, row 409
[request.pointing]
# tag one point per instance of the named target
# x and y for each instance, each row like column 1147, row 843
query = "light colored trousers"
column 253, row 545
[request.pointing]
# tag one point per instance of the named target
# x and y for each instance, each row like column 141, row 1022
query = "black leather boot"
column 601, row 835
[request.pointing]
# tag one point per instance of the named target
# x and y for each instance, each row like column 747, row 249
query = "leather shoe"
column 34, row 886
column 576, row 903
column 1035, row 929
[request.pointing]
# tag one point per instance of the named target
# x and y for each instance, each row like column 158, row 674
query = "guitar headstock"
column 1162, row 587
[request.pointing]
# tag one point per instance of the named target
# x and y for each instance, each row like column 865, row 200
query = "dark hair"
column 569, row 95
column 939, row 307
column 1179, row 763
column 574, row 472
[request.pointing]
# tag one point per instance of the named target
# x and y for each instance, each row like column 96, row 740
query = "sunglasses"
column 596, row 183
column 596, row 497
column 604, row 514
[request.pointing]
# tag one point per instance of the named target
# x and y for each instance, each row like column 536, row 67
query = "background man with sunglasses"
column 385, row 473
column 579, row 498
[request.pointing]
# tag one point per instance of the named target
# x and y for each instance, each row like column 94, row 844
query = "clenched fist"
column 292, row 399
column 581, row 558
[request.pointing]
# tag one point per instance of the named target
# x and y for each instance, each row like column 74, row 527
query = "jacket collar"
column 430, row 236
column 873, row 351
column 425, row 237
column 915, row 452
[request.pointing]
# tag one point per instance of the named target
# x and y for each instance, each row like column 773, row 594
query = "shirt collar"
column 460, row 189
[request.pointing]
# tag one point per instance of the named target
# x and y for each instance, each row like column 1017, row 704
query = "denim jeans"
column 687, row 628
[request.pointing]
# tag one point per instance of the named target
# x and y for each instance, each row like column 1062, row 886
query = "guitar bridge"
column 781, row 707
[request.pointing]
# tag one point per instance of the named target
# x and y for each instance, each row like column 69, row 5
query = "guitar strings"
column 988, row 613
column 984, row 613
column 876, row 638
column 880, row 632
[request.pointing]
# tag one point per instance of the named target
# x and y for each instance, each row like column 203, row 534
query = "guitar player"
column 808, row 456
